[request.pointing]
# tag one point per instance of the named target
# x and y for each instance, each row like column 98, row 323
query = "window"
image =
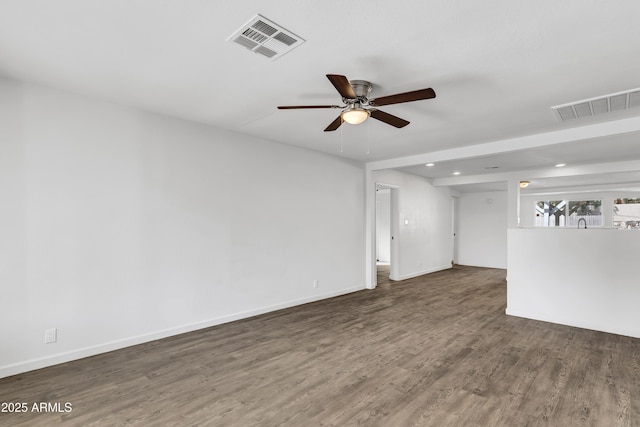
column 550, row 213
column 569, row 213
column 626, row 213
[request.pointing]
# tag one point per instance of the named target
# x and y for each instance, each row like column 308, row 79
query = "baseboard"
column 499, row 267
column 421, row 273
column 574, row 324
column 43, row 362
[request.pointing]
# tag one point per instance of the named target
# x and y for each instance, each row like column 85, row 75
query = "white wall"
column 585, row 278
column 120, row 226
column 482, row 229
column 425, row 244
column 383, row 223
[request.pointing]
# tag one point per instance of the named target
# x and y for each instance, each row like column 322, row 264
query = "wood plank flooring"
column 436, row 350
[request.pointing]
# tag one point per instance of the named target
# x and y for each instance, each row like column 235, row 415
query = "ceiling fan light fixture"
column 355, row 116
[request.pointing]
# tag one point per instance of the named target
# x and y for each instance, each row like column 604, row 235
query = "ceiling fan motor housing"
column 361, row 88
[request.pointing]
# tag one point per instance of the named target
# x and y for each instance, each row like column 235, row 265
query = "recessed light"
column 430, row 165
column 524, row 184
column 456, row 173
column 561, row 165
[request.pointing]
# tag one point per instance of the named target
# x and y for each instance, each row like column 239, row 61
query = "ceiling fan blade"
column 334, row 124
column 389, row 119
column 294, row 107
column 342, row 85
column 415, row 95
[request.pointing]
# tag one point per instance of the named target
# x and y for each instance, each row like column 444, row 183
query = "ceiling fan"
column 358, row 106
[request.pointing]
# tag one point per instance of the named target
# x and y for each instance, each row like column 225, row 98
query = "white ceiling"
column 497, row 67
column 609, row 149
column 612, row 148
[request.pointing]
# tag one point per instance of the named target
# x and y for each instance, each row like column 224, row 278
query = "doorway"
column 454, row 229
column 386, row 231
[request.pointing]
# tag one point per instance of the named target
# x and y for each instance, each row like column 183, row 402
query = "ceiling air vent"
column 265, row 37
column 599, row 105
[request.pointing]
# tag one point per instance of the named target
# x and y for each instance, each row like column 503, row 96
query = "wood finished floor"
column 436, row 350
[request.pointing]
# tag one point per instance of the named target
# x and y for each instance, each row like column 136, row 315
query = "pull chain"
column 368, row 137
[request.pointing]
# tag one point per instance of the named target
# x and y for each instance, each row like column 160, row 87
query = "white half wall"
column 425, row 241
column 121, row 226
column 482, row 229
column 584, row 278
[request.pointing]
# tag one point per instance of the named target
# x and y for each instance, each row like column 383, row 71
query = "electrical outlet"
column 50, row 335
column 316, row 283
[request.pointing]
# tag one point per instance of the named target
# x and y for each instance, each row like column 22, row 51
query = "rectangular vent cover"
column 599, row 105
column 265, row 37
